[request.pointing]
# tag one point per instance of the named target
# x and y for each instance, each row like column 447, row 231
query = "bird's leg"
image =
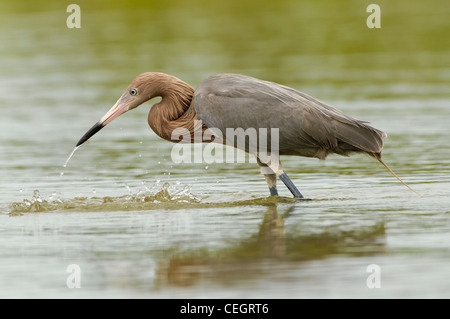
column 272, row 169
column 290, row 185
column 271, row 180
column 270, row 176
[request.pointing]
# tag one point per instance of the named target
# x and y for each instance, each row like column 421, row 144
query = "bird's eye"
column 133, row 91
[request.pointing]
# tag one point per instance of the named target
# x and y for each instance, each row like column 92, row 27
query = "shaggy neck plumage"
column 174, row 111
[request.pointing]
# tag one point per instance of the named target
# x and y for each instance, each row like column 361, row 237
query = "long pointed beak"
column 118, row 109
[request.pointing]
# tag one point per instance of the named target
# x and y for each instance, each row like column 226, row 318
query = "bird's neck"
column 174, row 116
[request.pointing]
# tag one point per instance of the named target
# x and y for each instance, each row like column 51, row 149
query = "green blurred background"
column 307, row 44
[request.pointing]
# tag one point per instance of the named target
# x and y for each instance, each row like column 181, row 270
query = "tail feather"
column 378, row 157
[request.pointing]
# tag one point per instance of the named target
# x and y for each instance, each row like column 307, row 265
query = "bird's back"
column 306, row 126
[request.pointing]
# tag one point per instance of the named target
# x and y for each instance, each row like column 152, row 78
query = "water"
column 139, row 225
column 68, row 159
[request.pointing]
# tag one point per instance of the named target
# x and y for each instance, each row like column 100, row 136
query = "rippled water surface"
column 139, row 225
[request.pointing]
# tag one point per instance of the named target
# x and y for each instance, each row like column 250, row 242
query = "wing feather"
column 307, row 126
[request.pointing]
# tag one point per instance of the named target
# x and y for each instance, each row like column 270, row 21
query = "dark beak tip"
column 94, row 129
column 80, row 142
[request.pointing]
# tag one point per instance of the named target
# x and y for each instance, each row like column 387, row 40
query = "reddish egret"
column 306, row 126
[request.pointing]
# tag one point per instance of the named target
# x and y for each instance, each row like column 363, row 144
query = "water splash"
column 35, row 204
column 143, row 199
column 155, row 197
column 163, row 194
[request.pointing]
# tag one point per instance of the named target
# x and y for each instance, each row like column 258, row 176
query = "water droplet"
column 52, row 196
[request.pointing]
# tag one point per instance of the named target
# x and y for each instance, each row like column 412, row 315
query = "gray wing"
column 307, row 126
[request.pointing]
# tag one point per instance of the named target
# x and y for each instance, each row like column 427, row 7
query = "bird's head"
column 140, row 90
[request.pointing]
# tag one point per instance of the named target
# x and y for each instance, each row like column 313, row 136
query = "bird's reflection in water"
column 256, row 256
column 271, row 236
